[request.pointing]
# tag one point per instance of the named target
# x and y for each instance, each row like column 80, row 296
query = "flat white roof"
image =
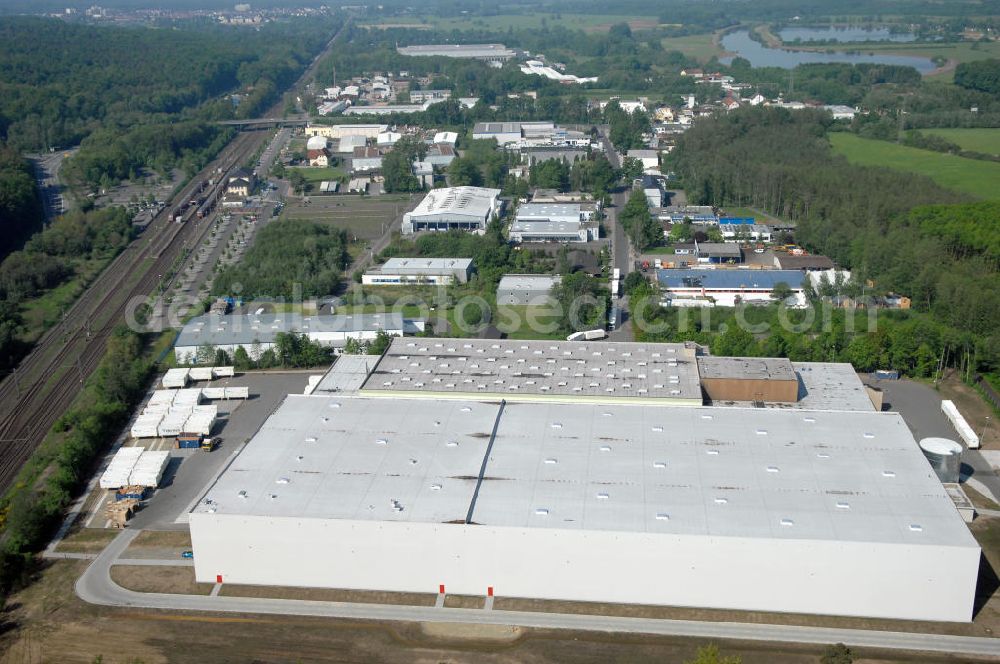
column 831, row 386
column 553, row 211
column 719, row 472
column 426, row 265
column 473, row 201
column 530, row 282
column 591, row 371
column 347, row 374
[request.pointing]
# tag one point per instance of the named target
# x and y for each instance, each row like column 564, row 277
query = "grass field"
column 969, row 176
column 363, row 217
column 985, row 140
column 318, row 174
column 957, row 52
column 700, row 47
column 527, row 322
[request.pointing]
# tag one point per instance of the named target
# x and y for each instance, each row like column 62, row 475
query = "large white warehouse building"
column 621, row 499
column 465, row 208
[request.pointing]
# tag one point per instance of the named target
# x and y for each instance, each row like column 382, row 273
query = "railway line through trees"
column 48, row 380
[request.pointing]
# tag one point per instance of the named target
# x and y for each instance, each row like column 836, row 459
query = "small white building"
column 526, row 289
column 650, row 159
column 429, row 271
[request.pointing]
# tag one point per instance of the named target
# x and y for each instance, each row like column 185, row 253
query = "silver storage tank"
column 945, row 457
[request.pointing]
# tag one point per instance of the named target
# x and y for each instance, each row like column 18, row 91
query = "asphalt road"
column 620, row 248
column 96, row 587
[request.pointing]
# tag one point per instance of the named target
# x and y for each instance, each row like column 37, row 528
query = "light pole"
column 982, row 436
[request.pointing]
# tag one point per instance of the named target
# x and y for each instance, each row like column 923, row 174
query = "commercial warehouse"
column 257, row 333
column 431, row 271
column 465, row 208
column 524, row 289
column 731, row 508
column 727, row 288
column 494, row 54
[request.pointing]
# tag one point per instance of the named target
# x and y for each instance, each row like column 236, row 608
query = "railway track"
column 49, row 379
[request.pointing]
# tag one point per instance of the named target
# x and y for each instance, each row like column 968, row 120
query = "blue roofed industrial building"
column 727, row 288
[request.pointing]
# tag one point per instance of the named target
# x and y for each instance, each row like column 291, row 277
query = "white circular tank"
column 945, row 457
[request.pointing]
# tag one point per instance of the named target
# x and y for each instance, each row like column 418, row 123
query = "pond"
column 739, row 42
column 849, row 34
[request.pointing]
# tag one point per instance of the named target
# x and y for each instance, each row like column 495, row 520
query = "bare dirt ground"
column 48, row 623
column 329, row 595
column 463, row 602
column 973, row 408
column 159, row 579
column 86, row 540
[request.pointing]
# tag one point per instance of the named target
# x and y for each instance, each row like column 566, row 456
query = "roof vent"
column 662, row 516
column 603, row 496
column 605, row 448
column 888, row 473
column 721, row 501
column 843, row 505
column 381, row 441
column 772, row 469
column 541, row 511
column 659, row 464
column 550, row 461
column 916, row 527
column 787, row 522
column 451, row 443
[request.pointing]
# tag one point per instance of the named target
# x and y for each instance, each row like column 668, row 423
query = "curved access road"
column 96, row 587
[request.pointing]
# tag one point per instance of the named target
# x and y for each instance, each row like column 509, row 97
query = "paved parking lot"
column 190, row 471
column 920, row 406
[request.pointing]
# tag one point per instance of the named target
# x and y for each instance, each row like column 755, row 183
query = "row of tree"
column 292, row 259
column 20, row 207
column 35, row 506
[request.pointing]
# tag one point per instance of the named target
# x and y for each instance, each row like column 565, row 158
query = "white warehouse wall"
column 904, row 581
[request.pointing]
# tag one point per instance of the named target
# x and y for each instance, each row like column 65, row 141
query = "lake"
column 855, row 34
column 739, row 42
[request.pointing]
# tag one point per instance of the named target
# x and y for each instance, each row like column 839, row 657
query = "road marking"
column 215, row 590
column 488, row 604
column 439, row 602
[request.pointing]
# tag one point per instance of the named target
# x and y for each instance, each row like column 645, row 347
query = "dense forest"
column 20, row 208
column 901, row 231
column 48, row 259
column 285, row 257
column 123, row 91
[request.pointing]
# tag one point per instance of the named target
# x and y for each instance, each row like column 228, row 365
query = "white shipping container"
column 120, row 467
column 189, row 396
column 206, row 410
column 148, row 470
column 162, row 396
column 145, row 426
column 213, row 392
column 238, row 392
column 961, row 425
column 176, row 378
column 201, row 373
column 223, row 372
column 156, row 408
column 172, row 424
column 200, row 423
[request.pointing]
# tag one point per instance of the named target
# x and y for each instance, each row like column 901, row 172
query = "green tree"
column 837, row 654
column 581, row 305
column 712, row 655
column 463, row 173
column 631, row 168
column 781, row 291
column 397, row 166
column 639, row 225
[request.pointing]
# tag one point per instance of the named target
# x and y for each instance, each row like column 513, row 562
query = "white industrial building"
column 494, row 54
column 257, row 333
column 553, row 222
column 584, row 493
column 429, row 271
column 465, row 208
column 526, row 289
column 539, row 68
column 341, row 130
column 728, row 288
